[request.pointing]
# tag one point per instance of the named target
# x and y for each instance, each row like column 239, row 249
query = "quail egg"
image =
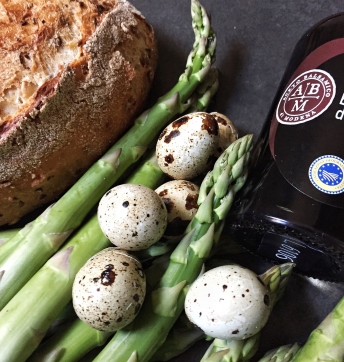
column 228, row 133
column 109, row 289
column 187, row 145
column 228, row 302
column 132, row 217
column 180, row 198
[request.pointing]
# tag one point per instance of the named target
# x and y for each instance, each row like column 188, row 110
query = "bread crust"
column 80, row 107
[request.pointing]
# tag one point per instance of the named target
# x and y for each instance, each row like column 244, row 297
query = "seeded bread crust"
column 73, row 76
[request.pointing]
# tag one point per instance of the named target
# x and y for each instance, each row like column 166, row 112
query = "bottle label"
column 307, row 129
column 307, row 97
column 326, row 174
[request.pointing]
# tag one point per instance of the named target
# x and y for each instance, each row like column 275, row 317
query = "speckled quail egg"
column 228, row 133
column 109, row 289
column 187, row 145
column 228, row 302
column 132, row 217
column 180, row 198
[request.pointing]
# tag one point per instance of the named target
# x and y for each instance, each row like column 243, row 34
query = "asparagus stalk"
column 50, row 230
column 141, row 339
column 204, row 93
column 281, row 354
column 6, row 248
column 76, row 336
column 326, row 342
column 276, row 279
column 7, row 241
column 181, row 337
column 5, row 235
column 27, row 317
column 64, row 317
column 231, row 350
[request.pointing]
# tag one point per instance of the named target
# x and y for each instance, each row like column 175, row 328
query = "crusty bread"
column 73, row 76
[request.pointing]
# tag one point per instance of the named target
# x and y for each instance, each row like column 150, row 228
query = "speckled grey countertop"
column 255, row 41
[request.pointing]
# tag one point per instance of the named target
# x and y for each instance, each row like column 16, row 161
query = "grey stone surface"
column 255, row 42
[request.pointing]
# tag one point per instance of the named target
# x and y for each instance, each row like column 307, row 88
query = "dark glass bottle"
column 292, row 206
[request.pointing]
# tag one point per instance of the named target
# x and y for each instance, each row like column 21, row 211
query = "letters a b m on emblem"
column 306, row 97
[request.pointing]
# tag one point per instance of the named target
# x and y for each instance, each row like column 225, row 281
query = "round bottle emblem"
column 306, row 97
column 327, row 174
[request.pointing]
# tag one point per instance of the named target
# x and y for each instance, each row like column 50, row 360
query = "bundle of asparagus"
column 162, row 307
column 21, row 332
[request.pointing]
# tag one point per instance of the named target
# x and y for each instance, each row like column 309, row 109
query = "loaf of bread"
column 74, row 74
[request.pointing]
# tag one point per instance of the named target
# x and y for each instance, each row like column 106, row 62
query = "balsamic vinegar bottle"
column 292, row 207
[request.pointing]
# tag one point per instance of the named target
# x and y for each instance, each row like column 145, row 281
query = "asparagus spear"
column 53, row 227
column 232, row 350
column 281, row 354
column 64, row 317
column 76, row 336
column 141, row 339
column 5, row 235
column 326, row 342
column 26, row 318
column 276, row 279
column 181, row 337
column 7, row 248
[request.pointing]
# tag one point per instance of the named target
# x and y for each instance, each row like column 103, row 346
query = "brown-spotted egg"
column 228, row 302
column 180, row 198
column 187, row 145
column 132, row 217
column 228, row 132
column 108, row 291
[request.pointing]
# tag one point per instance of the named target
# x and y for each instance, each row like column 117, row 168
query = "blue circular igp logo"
column 327, row 174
